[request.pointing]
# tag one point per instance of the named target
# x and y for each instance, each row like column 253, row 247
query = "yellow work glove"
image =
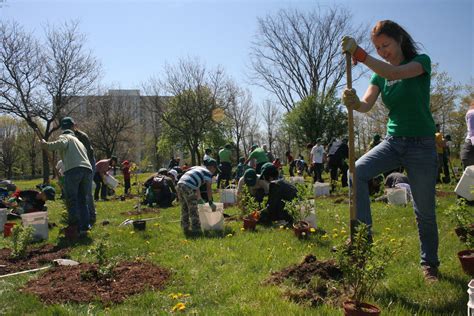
column 350, row 99
column 349, row 45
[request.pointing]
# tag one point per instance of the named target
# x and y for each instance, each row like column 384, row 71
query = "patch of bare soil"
column 36, row 258
column 145, row 210
column 82, row 284
column 314, row 281
column 444, row 193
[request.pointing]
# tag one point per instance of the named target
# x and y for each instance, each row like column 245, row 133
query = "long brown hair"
column 395, row 31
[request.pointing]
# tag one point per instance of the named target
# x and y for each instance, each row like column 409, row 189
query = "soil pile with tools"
column 145, row 210
column 82, row 283
column 35, row 258
column 314, row 282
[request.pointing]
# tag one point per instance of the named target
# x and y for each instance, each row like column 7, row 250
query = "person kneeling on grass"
column 190, row 196
column 29, row 201
column 280, row 191
column 160, row 189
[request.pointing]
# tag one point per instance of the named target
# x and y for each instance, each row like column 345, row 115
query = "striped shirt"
column 195, row 177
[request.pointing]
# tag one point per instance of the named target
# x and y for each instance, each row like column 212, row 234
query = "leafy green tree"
column 312, row 119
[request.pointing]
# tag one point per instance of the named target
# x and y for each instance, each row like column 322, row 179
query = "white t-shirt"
column 317, row 154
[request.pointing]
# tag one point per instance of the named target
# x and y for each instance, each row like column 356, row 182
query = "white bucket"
column 229, row 195
column 211, row 220
column 110, row 181
column 470, row 303
column 296, row 180
column 39, row 221
column 465, row 186
column 3, row 218
column 397, row 196
column 321, row 189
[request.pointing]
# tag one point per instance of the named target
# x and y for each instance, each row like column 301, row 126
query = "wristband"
column 360, row 54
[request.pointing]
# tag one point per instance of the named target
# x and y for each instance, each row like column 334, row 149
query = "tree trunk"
column 44, row 153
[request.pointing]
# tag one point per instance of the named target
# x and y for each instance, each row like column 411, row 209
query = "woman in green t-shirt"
column 403, row 81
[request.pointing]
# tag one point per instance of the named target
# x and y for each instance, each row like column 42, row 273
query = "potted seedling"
column 299, row 209
column 139, row 224
column 363, row 264
column 250, row 210
column 466, row 257
column 462, row 218
column 70, row 226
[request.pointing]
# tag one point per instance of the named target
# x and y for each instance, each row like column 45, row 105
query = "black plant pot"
column 139, row 225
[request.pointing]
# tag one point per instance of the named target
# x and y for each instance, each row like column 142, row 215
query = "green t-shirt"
column 408, row 102
column 259, row 154
column 225, row 155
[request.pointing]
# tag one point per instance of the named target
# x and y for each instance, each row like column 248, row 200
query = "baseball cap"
column 49, row 191
column 253, row 147
column 125, row 162
column 174, row 173
column 211, row 163
column 163, row 171
column 250, row 177
column 268, row 169
column 67, row 122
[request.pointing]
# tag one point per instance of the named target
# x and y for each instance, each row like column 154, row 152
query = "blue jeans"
column 77, row 182
column 418, row 156
column 90, row 198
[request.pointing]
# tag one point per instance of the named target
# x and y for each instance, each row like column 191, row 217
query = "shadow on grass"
column 451, row 307
column 65, row 243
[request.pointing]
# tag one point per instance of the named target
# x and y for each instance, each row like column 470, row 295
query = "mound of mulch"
column 314, row 281
column 81, row 284
column 36, row 258
column 145, row 210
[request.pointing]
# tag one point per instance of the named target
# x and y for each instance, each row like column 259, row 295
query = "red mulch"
column 63, row 284
column 36, row 258
column 301, row 275
column 144, row 210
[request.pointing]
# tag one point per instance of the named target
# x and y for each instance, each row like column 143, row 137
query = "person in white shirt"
column 317, row 161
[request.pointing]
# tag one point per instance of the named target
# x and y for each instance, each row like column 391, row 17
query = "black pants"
column 99, row 187
column 225, row 174
column 335, row 165
column 467, row 154
column 443, row 167
column 127, row 186
column 317, row 171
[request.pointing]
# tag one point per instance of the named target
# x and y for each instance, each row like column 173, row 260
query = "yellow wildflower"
column 229, row 235
column 281, row 226
column 335, row 235
column 325, row 236
column 242, row 229
column 312, row 229
column 186, row 257
column 132, row 232
column 179, row 307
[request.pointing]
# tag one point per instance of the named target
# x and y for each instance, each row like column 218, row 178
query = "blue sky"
column 134, row 39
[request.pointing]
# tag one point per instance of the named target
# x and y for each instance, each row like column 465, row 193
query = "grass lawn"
column 224, row 275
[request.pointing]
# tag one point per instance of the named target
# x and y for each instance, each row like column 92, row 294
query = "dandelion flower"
column 312, row 229
column 335, row 235
column 229, row 235
column 242, row 229
column 388, row 229
column 179, row 307
column 156, row 225
column 186, row 257
column 325, row 236
column 147, row 242
column 343, row 231
column 393, row 240
column 289, row 248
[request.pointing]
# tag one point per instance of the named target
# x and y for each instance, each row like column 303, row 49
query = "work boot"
column 430, row 273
